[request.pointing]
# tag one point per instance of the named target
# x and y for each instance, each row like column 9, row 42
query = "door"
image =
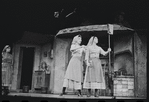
column 27, row 66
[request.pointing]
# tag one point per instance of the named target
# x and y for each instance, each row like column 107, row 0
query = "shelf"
column 124, row 76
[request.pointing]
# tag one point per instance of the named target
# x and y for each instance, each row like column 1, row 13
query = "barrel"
column 44, row 90
column 25, row 89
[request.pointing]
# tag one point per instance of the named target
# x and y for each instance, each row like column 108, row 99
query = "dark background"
column 38, row 16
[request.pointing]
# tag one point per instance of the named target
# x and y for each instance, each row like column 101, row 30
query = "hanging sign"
column 110, row 29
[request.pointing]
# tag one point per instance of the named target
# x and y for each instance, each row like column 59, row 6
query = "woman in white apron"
column 74, row 74
column 94, row 78
column 7, row 69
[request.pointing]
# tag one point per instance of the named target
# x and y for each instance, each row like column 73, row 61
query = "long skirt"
column 6, row 74
column 74, row 74
column 94, row 78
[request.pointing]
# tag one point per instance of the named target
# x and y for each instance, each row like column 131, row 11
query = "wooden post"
column 110, row 74
column 109, row 53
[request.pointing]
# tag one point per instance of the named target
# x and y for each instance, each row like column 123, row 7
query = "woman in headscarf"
column 6, row 66
column 94, row 78
column 74, row 74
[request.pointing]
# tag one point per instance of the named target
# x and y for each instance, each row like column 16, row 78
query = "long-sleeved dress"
column 94, row 78
column 74, row 72
column 7, row 69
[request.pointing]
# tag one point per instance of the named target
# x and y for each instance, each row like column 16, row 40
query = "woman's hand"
column 88, row 64
column 83, row 46
column 109, row 49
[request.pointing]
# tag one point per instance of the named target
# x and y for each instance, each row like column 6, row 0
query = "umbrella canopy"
column 92, row 28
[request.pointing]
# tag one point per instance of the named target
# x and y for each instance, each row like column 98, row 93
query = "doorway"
column 27, row 60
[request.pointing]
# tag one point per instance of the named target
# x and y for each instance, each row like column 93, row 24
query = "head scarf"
column 91, row 40
column 75, row 39
column 4, row 50
column 7, row 46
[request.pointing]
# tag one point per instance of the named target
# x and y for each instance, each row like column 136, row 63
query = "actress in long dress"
column 7, row 68
column 94, row 78
column 74, row 74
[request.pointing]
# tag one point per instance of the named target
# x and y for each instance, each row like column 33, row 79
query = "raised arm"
column 74, row 47
column 104, row 52
column 87, row 56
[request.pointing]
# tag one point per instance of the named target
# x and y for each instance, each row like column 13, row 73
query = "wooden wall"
column 49, row 60
column 140, row 64
column 60, row 62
